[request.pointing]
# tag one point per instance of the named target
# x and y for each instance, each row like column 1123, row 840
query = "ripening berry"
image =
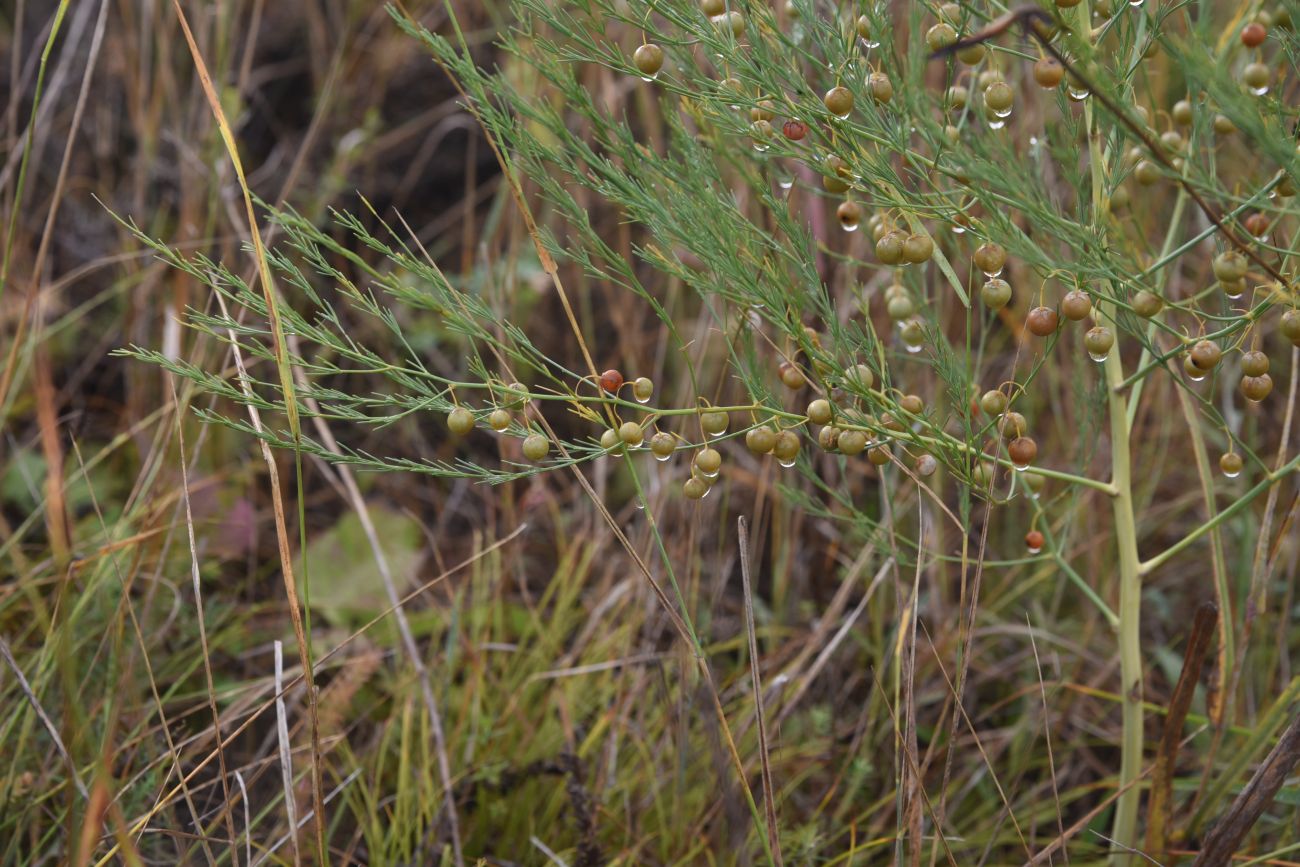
column 1022, row 451
column 631, row 433
column 828, row 437
column 786, row 448
column 971, row 54
column 764, row 109
column 880, row 87
column 839, row 170
column 838, row 101
column 1256, row 388
column 709, row 461
column 1041, row 321
column 1048, row 72
column 611, row 381
column 849, row 214
column 863, row 27
column 878, row 455
column 1223, row 125
column 890, row 247
column 994, row 403
column 1012, row 425
column 1205, row 354
column 1253, row 35
column 1147, row 304
column 1076, row 305
column 536, row 447
column 990, row 258
column 714, row 423
column 642, row 389
column 851, row 442
column 760, row 440
column 790, row 375
column 695, row 489
column 499, row 420
column 713, row 8
column 918, row 248
column 1034, row 541
column 1257, row 224
column 460, row 421
column 1254, row 363
column 926, row 465
column 609, row 439
column 819, row 411
column 860, row 377
column 1182, row 113
column 911, row 403
column 649, row 59
column 1098, row 341
column 1231, row 464
column 662, row 444
column 794, row 130
column 996, row 293
column 1289, row 325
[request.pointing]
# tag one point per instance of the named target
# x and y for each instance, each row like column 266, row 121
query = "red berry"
column 611, row 381
column 794, row 130
column 1253, row 35
column 1034, row 541
column 1041, row 321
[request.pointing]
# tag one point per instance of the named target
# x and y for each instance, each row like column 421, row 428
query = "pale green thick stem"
column 1124, row 832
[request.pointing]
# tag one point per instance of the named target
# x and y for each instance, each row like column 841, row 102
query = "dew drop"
column 1003, row 113
column 912, row 349
column 760, row 146
column 1020, row 468
column 712, row 475
column 1233, row 294
column 707, row 490
column 1259, row 91
column 1032, row 550
column 1078, row 94
column 714, row 436
column 996, row 123
column 661, row 458
column 1135, row 3
column 1033, row 495
column 1232, row 475
column 849, row 225
column 992, row 274
column 1098, row 357
column 645, row 399
column 958, row 229
column 786, row 463
column 649, row 77
column 1194, row 377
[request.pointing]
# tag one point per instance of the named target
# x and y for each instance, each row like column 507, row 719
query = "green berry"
column 460, row 421
column 819, row 411
column 499, row 420
column 643, row 388
column 695, row 489
column 1205, row 354
column 918, row 248
column 631, row 434
column 609, row 439
column 860, row 377
column 994, row 403
column 760, row 440
column 1147, row 304
column 996, row 293
column 649, row 59
column 786, row 447
column 714, row 423
column 1289, row 325
column 1254, row 363
column 709, row 461
column 1076, row 305
column 663, row 444
column 852, row 442
column 1231, row 464
column 536, row 447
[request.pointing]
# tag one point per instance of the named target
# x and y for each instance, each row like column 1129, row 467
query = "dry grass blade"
column 50, row 728
column 286, row 752
column 764, row 749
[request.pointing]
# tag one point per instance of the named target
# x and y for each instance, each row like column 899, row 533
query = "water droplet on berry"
column 1232, row 475
column 786, row 463
column 1078, row 94
column 1098, row 357
column 1032, row 550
